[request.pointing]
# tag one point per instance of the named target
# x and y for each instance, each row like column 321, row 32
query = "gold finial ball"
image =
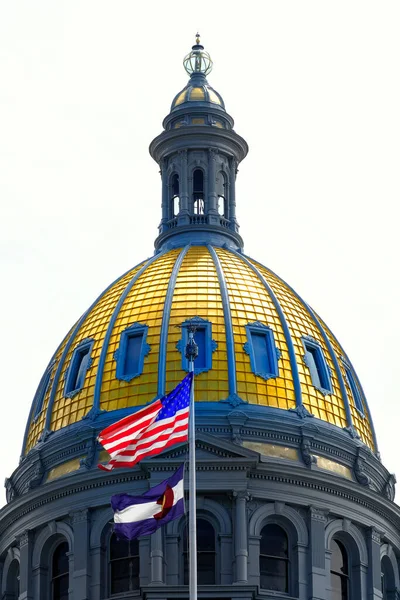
column 198, row 60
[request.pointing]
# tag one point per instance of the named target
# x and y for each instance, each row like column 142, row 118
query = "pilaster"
column 25, row 566
column 317, row 572
column 172, row 554
column 80, row 581
column 374, row 585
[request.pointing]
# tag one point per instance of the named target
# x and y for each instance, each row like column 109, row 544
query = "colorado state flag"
column 135, row 516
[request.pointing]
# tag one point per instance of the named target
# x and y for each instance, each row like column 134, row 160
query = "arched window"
column 124, row 565
column 221, row 194
column 60, row 573
column 274, row 559
column 174, row 196
column 12, row 586
column 339, row 571
column 387, row 579
column 205, row 553
column 198, row 192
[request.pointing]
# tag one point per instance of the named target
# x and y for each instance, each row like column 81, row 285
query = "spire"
column 198, row 153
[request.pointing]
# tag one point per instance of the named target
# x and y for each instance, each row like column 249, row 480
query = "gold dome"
column 227, row 290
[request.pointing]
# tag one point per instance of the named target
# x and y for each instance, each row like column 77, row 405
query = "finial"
column 198, row 60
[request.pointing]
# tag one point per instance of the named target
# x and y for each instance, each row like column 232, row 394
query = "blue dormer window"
column 206, row 345
column 316, row 363
column 355, row 390
column 260, row 346
column 76, row 372
column 42, row 390
column 132, row 351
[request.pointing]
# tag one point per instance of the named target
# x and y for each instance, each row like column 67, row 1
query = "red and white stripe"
column 133, row 438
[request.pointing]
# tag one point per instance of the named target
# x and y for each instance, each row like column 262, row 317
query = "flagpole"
column 191, row 353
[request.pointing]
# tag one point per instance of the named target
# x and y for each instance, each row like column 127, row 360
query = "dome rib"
column 342, row 386
column 75, row 331
column 288, row 338
column 370, row 421
column 230, row 343
column 165, row 322
column 99, row 377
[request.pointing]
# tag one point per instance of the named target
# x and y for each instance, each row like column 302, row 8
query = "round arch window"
column 60, row 572
column 274, row 559
column 124, row 565
column 205, row 553
column 339, row 571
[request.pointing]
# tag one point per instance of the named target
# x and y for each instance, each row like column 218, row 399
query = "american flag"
column 150, row 430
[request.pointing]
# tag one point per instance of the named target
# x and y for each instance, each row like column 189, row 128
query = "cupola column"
column 184, row 183
column 165, row 197
column 212, row 194
column 232, row 195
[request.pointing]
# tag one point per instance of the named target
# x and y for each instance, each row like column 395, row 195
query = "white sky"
column 313, row 87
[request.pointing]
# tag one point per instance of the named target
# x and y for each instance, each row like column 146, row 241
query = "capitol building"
column 293, row 501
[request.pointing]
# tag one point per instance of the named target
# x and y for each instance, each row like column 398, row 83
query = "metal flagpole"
column 191, row 354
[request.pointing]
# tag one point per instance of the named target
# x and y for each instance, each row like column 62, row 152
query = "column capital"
column 376, row 535
column 318, row 513
column 80, row 516
column 24, row 538
column 241, row 495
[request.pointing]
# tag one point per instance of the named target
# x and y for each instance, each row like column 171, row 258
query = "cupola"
column 198, row 153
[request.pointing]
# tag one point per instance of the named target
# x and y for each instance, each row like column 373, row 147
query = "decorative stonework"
column 234, row 400
column 301, row 411
column 389, row 488
column 359, row 470
column 305, row 449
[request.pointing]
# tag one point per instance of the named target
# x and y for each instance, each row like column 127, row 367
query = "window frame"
column 72, row 372
column 185, row 553
column 211, row 345
column 342, row 576
column 134, row 330
column 41, row 392
column 66, row 573
column 273, row 351
column 310, row 345
column 109, row 564
column 354, row 387
column 287, row 560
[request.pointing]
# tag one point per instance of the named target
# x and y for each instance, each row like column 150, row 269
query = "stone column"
column 25, row 566
column 80, row 570
column 374, row 564
column 232, row 194
column 157, row 558
column 164, row 196
column 173, row 557
column 240, row 536
column 317, row 573
column 184, row 183
column 212, row 193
